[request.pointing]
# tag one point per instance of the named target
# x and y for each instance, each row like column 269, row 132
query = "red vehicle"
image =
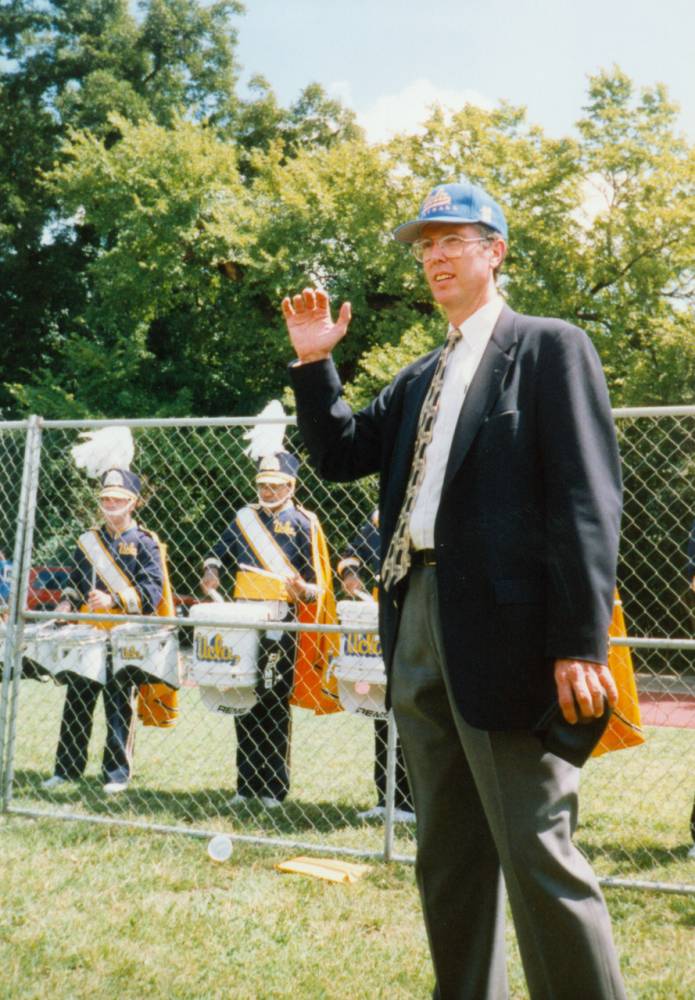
column 46, row 584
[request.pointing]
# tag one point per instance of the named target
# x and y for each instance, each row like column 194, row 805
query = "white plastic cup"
column 220, row 847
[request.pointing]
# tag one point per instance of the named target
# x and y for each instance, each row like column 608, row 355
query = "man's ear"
column 498, row 251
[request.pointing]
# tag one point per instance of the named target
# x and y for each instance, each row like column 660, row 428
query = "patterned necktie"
column 397, row 562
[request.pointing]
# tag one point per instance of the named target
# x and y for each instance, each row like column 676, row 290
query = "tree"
column 166, row 208
column 188, row 236
column 190, row 262
column 622, row 269
column 637, row 260
column 312, row 121
column 71, row 64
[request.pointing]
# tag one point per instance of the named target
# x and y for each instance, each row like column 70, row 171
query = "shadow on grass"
column 685, row 912
column 186, row 808
column 646, row 857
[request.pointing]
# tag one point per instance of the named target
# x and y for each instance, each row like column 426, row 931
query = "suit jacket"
column 526, row 534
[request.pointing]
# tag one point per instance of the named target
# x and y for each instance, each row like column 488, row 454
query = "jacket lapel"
column 483, row 390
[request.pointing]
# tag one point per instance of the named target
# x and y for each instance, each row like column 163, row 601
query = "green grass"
column 105, row 912
column 99, row 911
column 186, row 776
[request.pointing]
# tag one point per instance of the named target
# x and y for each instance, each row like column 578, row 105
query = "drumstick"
column 94, row 583
column 264, row 572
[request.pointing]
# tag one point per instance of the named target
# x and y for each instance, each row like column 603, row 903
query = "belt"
column 423, row 557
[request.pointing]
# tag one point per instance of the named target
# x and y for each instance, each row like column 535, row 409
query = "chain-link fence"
column 12, row 442
column 230, row 754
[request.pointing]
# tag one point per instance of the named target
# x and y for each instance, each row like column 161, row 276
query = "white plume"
column 266, row 439
column 108, row 448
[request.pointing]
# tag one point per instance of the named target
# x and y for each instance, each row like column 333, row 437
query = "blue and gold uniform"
column 128, row 566
column 279, row 541
column 290, row 530
column 136, row 553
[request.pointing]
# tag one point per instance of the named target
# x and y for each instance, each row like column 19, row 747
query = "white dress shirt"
column 462, row 366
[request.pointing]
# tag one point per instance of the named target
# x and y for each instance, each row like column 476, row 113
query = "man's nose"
column 436, row 251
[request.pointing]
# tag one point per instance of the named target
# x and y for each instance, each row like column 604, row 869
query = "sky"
column 389, row 59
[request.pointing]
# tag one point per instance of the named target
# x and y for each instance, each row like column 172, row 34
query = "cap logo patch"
column 114, row 478
column 435, row 200
column 270, row 463
column 486, row 213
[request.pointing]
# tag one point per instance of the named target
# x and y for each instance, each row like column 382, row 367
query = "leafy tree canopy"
column 179, row 219
column 70, row 64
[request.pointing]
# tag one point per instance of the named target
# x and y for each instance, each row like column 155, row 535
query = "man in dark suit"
column 500, row 503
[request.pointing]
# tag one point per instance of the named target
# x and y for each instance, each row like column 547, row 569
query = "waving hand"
column 310, row 324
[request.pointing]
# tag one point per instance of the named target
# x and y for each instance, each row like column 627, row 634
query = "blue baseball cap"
column 121, row 483
column 457, row 204
column 281, row 467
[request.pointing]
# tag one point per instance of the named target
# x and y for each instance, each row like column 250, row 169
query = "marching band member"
column 359, row 561
column 118, row 569
column 270, row 547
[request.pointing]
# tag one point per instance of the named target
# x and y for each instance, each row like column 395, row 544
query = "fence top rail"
column 654, row 411
column 166, row 422
column 85, row 423
column 13, row 425
column 289, row 419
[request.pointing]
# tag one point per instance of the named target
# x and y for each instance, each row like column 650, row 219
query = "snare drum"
column 80, row 651
column 359, row 667
column 3, row 646
column 225, row 659
column 39, row 651
column 147, row 653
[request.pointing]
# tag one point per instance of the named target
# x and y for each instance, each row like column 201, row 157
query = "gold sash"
column 270, row 557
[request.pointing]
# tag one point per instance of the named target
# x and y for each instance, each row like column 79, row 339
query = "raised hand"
column 310, row 324
column 296, row 587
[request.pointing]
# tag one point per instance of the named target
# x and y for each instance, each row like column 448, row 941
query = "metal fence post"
column 11, row 621
column 15, row 625
column 390, row 786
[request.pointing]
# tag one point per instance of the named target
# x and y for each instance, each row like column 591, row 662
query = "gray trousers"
column 493, row 810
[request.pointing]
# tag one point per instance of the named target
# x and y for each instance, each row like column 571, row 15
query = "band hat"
column 120, row 483
column 456, row 204
column 280, row 467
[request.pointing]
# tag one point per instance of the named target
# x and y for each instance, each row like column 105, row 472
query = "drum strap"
column 264, row 547
column 109, row 573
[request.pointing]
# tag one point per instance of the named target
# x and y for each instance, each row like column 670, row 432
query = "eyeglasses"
column 451, row 246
